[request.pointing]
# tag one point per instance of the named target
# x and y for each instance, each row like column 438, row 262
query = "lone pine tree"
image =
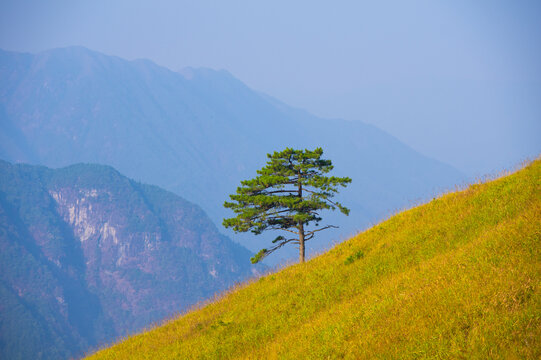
column 287, row 195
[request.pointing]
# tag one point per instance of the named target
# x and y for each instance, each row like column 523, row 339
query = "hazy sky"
column 459, row 81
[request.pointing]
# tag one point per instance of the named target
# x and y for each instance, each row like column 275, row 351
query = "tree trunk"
column 301, row 242
column 301, row 224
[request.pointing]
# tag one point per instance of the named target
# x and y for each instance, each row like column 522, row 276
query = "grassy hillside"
column 458, row 277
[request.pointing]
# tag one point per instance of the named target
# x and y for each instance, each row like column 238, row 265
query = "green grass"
column 458, row 277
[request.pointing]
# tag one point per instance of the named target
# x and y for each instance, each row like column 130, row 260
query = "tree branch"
column 313, row 192
column 277, row 191
column 276, row 247
column 271, row 214
column 278, row 228
column 323, row 228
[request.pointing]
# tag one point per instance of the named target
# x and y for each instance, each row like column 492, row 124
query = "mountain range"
column 197, row 133
column 88, row 255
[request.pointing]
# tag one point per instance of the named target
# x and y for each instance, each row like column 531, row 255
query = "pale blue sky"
column 459, row 81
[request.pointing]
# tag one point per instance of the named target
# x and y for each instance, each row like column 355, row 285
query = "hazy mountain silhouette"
column 196, row 132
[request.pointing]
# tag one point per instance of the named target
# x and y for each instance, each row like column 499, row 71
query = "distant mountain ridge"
column 197, row 134
column 87, row 255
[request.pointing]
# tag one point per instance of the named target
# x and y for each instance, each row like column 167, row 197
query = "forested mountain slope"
column 87, row 255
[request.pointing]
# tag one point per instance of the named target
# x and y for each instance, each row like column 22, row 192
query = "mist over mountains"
column 197, row 133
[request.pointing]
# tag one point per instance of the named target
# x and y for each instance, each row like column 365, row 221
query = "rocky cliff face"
column 88, row 254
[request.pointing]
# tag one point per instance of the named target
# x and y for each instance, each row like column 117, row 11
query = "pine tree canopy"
column 287, row 195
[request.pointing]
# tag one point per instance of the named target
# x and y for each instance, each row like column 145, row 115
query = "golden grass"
column 458, row 277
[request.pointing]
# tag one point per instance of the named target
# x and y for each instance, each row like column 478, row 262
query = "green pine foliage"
column 287, row 195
